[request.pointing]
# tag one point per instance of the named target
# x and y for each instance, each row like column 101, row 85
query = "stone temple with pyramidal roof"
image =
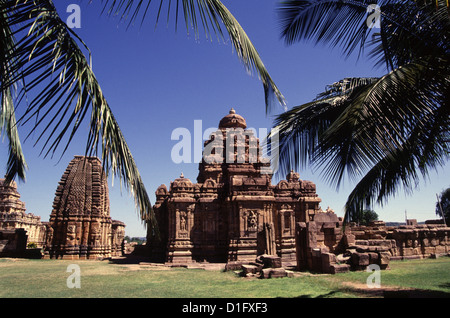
column 233, row 212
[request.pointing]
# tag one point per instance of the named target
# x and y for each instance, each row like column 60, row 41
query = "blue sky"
column 157, row 80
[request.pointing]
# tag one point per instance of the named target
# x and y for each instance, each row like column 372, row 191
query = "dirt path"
column 381, row 291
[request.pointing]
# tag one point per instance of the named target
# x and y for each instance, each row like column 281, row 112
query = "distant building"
column 13, row 215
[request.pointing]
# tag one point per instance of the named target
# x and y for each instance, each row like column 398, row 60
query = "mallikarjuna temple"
column 233, row 214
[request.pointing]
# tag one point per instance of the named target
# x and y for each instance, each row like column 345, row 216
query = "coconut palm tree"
column 45, row 68
column 384, row 132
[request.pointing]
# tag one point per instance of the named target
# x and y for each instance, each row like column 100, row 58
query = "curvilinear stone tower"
column 233, row 212
column 80, row 225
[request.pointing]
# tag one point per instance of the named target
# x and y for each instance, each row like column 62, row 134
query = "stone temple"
column 80, row 226
column 13, row 215
column 233, row 212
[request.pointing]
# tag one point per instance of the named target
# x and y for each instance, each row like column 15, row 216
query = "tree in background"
column 443, row 206
column 365, row 217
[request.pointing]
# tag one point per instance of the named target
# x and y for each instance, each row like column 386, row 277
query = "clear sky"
column 157, row 80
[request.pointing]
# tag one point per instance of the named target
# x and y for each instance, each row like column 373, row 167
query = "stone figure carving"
column 252, row 221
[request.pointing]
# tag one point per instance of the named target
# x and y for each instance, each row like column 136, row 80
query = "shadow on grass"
column 416, row 293
column 329, row 294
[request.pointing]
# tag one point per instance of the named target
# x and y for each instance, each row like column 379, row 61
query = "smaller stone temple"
column 80, row 225
column 13, row 215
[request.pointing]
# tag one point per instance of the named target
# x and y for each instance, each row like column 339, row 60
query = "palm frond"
column 302, row 128
column 425, row 149
column 16, row 165
column 384, row 131
column 405, row 27
column 213, row 16
column 48, row 55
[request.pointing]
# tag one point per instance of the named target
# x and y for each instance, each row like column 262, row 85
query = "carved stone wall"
column 80, row 225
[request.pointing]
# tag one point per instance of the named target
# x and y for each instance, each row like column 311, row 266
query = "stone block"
column 327, row 260
column 328, row 217
column 277, row 273
column 233, row 265
column 265, row 273
column 384, row 258
column 270, row 261
column 428, row 250
column 360, row 259
column 441, row 249
column 339, row 268
column 373, row 258
column 273, row 273
column 289, row 274
column 249, row 269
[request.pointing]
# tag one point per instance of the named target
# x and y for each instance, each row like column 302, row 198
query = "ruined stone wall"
column 406, row 241
column 356, row 247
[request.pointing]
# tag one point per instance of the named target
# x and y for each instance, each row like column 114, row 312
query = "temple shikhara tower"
column 80, row 226
column 13, row 215
column 233, row 212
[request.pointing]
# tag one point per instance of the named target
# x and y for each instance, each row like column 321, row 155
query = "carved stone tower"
column 233, row 212
column 80, row 225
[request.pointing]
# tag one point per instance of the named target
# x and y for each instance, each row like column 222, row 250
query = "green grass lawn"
column 20, row 278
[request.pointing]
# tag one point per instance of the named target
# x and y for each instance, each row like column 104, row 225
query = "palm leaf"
column 213, row 16
column 426, row 148
column 48, row 55
column 382, row 131
column 405, row 27
column 16, row 164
